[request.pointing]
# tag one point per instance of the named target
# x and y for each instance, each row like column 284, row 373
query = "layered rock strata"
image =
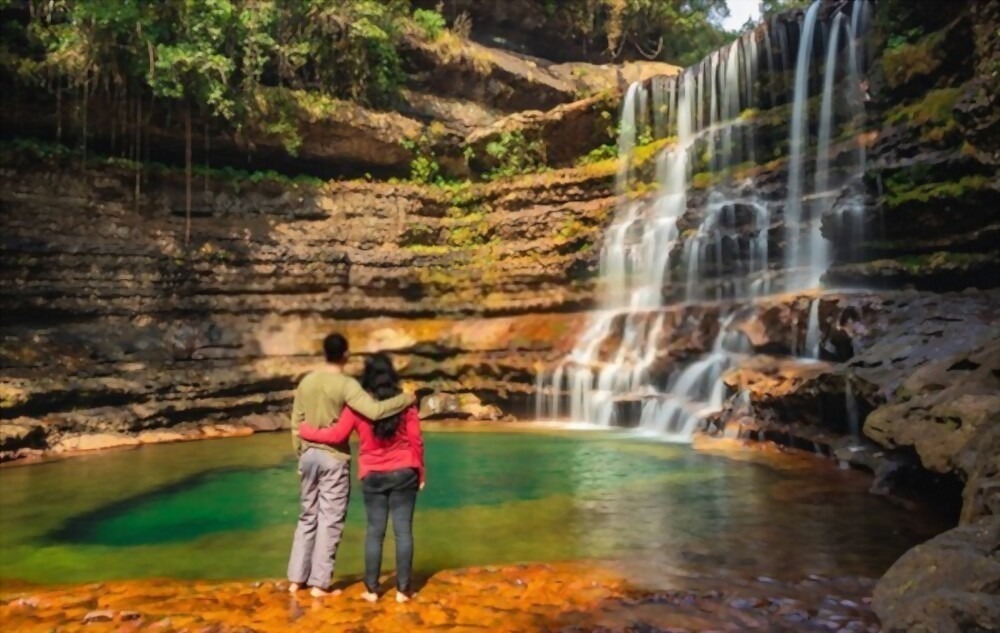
column 112, row 327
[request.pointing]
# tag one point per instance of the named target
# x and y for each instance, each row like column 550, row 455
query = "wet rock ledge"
column 563, row 598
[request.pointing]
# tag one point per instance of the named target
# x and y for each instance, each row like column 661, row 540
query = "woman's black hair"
column 379, row 378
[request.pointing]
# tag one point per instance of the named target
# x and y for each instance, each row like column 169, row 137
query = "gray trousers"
column 326, row 486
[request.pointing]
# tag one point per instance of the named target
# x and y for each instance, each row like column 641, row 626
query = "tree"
column 191, row 66
column 206, row 59
column 679, row 31
column 769, row 7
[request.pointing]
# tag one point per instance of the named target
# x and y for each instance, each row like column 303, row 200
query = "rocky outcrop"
column 933, row 199
column 951, row 584
column 939, row 414
column 980, row 461
column 562, row 135
column 454, row 87
column 128, row 332
column 920, row 371
column 906, row 373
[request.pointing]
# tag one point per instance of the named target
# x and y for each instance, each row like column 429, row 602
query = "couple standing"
column 329, row 405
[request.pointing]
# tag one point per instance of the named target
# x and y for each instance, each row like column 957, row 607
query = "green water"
column 227, row 509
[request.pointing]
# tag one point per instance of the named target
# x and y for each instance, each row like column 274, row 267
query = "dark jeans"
column 393, row 492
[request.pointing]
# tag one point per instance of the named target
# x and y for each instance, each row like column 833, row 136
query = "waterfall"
column 797, row 144
column 856, row 52
column 812, row 331
column 704, row 234
column 851, row 404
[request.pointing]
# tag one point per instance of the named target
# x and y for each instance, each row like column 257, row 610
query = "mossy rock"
column 901, row 194
column 935, row 210
column 938, row 59
column 940, row 271
column 933, row 115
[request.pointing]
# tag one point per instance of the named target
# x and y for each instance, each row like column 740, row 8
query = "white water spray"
column 705, row 232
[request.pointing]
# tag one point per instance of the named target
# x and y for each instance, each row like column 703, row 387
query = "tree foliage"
column 679, row 31
column 676, row 31
column 216, row 60
column 212, row 51
column 770, row 7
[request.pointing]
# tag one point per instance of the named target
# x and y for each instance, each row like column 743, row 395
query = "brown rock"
column 565, row 133
column 159, row 436
column 94, row 442
column 980, row 461
column 941, row 407
column 948, row 585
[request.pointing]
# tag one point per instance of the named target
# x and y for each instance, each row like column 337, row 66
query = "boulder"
column 941, row 407
column 951, row 584
column 457, row 406
column 980, row 461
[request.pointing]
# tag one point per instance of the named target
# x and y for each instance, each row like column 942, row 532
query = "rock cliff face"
column 934, row 198
column 111, row 326
column 116, row 332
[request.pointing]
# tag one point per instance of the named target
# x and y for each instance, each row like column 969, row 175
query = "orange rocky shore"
column 561, row 597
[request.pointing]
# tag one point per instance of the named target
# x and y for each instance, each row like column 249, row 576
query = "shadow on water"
column 98, row 526
column 221, row 500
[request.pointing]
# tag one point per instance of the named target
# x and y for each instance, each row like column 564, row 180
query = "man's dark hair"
column 335, row 348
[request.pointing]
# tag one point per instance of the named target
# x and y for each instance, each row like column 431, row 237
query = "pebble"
column 28, row 603
column 98, row 616
column 743, row 603
column 795, row 616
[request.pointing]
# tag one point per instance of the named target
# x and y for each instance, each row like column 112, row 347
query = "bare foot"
column 316, row 592
column 294, row 587
column 402, row 597
column 369, row 596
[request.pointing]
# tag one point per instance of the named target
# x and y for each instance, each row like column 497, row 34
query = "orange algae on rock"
column 515, row 598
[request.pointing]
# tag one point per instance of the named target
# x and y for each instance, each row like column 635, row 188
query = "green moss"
column 514, row 154
column 427, row 249
column 598, row 155
column 29, row 151
column 707, row 179
column 467, row 235
column 907, row 61
column 644, row 153
column 643, row 188
column 703, row 180
column 570, row 230
column 901, row 193
column 916, row 264
column 936, row 107
column 933, row 115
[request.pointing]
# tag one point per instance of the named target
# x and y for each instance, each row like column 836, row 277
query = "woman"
column 391, row 468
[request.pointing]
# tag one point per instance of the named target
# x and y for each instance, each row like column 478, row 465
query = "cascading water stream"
column 705, row 233
column 812, row 331
column 851, row 405
column 798, row 137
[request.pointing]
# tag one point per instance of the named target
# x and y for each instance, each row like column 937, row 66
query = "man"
column 325, row 470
